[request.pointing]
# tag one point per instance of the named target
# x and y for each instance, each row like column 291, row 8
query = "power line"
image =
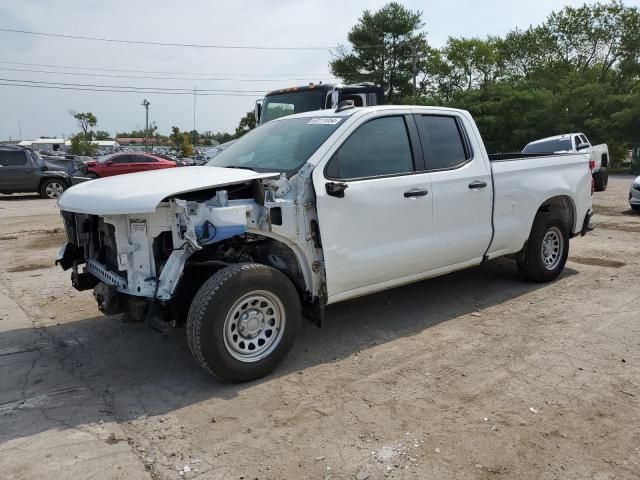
column 79, row 89
column 191, row 45
column 229, row 79
column 130, row 87
column 162, row 44
column 156, row 71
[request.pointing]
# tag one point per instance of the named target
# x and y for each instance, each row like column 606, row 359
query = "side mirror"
column 335, row 97
column 582, row 146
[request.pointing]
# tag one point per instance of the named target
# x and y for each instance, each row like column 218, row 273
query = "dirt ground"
column 477, row 374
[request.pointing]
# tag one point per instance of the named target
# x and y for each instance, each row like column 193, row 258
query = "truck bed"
column 521, row 185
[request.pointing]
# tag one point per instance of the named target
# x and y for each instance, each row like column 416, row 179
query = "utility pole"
column 20, row 129
column 194, row 119
column 145, row 103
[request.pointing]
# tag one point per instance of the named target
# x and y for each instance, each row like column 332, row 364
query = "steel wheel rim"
column 54, row 189
column 552, row 248
column 254, row 326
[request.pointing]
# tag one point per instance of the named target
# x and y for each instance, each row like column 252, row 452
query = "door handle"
column 336, row 189
column 416, row 192
column 477, row 185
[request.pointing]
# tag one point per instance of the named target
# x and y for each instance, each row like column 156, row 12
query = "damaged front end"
column 150, row 265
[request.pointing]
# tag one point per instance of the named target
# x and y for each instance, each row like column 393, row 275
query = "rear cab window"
column 444, row 142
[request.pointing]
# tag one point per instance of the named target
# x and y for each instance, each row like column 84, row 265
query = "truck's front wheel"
column 243, row 321
column 547, row 249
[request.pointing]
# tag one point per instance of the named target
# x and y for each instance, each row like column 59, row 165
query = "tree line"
column 577, row 71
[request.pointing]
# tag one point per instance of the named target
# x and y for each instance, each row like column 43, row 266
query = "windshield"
column 282, row 146
column 283, row 104
column 549, row 146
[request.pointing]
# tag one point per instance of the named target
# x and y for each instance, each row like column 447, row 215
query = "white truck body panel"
column 518, row 196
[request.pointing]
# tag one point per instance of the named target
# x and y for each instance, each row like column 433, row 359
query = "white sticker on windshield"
column 323, row 121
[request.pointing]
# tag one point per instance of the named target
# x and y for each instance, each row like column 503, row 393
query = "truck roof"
column 556, row 137
column 374, row 108
column 323, row 86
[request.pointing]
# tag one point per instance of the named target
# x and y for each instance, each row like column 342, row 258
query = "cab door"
column 462, row 189
column 374, row 205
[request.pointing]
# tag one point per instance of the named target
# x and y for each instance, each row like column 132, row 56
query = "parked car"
column 634, row 194
column 310, row 210
column 74, row 165
column 577, row 142
column 24, row 171
column 180, row 162
column 120, row 163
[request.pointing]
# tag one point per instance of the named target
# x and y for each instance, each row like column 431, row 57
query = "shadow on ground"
column 17, row 197
column 101, row 369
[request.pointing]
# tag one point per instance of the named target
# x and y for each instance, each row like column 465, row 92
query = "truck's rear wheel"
column 547, row 249
column 243, row 321
column 600, row 180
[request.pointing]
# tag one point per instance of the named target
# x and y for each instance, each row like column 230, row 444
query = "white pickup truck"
column 576, row 142
column 309, row 210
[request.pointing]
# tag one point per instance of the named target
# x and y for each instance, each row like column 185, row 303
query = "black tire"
column 52, row 188
column 600, row 180
column 531, row 261
column 92, row 175
column 636, row 208
column 215, row 303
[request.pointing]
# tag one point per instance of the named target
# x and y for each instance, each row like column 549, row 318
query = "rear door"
column 140, row 163
column 16, row 172
column 461, row 185
column 374, row 206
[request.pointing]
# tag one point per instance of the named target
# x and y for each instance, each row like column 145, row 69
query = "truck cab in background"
column 577, row 143
column 287, row 101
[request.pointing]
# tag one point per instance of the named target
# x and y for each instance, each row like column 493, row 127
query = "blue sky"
column 240, row 22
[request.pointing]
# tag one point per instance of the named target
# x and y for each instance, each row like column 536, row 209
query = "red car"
column 120, row 163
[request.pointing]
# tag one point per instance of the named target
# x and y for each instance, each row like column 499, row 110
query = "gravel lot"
column 477, row 374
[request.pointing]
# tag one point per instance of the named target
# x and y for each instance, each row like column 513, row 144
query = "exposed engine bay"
column 149, row 265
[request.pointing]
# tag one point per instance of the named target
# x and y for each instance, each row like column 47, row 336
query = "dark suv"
column 23, row 170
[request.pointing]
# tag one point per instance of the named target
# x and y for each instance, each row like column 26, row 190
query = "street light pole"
column 145, row 103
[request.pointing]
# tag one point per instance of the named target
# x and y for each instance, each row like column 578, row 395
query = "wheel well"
column 209, row 260
column 562, row 206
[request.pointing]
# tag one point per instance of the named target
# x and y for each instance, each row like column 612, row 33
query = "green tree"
column 80, row 145
column 182, row 142
column 186, row 149
column 85, row 120
column 385, row 46
column 247, row 123
column 102, row 135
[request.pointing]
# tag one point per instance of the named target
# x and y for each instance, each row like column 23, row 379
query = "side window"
column 121, row 159
column 379, row 147
column 142, row 159
column 442, row 142
column 12, row 158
